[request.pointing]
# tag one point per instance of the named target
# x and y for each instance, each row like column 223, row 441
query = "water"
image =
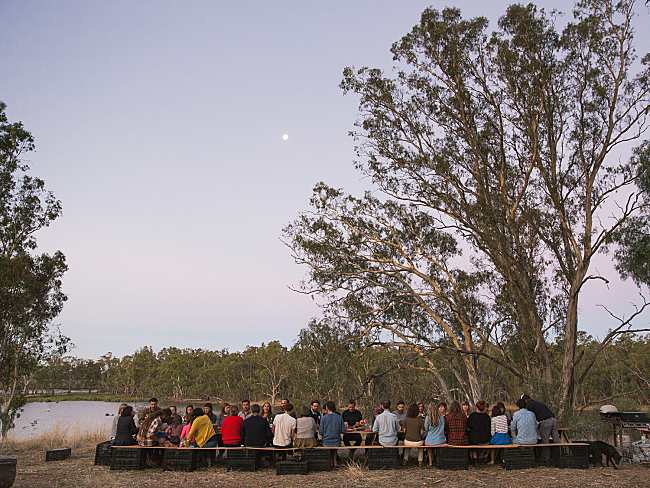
column 38, row 418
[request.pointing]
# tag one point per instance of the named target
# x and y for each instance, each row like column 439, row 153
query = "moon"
column 285, row 137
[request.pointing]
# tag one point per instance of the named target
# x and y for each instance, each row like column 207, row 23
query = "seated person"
column 387, row 426
column 499, row 427
column 306, row 430
column 231, row 429
column 126, row 428
column 147, row 433
column 456, row 425
column 352, row 418
column 256, row 431
column 187, row 425
column 479, row 424
column 283, row 427
column 331, row 428
column 202, row 433
column 173, row 430
column 524, row 425
column 434, row 426
column 413, row 429
column 115, row 419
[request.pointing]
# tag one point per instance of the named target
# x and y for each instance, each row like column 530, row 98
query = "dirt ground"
column 79, row 472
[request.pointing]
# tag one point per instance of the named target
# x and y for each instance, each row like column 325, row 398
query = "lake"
column 37, row 418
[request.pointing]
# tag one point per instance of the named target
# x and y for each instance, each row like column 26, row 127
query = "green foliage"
column 30, row 283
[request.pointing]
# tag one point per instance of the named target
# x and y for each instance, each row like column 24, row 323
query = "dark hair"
column 413, row 411
column 330, row 405
column 166, row 412
column 255, row 408
column 245, row 401
column 454, row 407
column 386, row 404
column 480, row 405
column 521, row 403
column 153, row 399
column 502, row 407
column 198, row 411
column 305, row 411
column 496, row 411
column 401, row 402
column 207, row 405
column 465, row 402
column 233, row 409
column 352, row 402
column 314, row 401
column 189, row 406
column 127, row 411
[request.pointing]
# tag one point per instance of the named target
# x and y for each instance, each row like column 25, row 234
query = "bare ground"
column 79, row 472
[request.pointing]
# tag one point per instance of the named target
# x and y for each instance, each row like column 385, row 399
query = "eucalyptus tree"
column 499, row 143
column 30, row 283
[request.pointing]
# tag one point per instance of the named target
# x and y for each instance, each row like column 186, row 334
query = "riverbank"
column 79, row 472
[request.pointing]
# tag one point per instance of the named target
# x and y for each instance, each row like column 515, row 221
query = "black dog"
column 598, row 449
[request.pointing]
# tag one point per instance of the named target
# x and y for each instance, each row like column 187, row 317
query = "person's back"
column 456, row 425
column 386, row 425
column 478, row 428
column 231, row 430
column 524, row 425
column 283, row 425
column 202, row 430
column 499, row 428
column 256, row 430
column 125, row 429
column 435, row 432
column 306, row 428
column 413, row 427
column 331, row 428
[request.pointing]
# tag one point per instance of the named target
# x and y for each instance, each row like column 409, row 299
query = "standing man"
column 546, row 424
column 351, row 419
column 314, row 411
column 400, row 413
column 386, row 426
column 245, row 409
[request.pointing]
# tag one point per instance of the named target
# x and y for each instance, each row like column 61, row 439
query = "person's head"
column 454, row 408
column 420, row 406
column 245, row 406
column 496, row 411
column 127, row 411
column 315, row 406
column 225, row 409
column 521, row 403
column 386, row 404
column 465, row 407
column 502, row 407
column 153, row 404
column 442, row 408
column 121, row 408
column 166, row 413
column 255, row 409
column 305, row 411
column 481, row 406
column 330, row 406
column 525, row 397
column 189, row 409
column 173, row 409
column 284, row 402
column 434, row 413
column 288, row 407
column 233, row 410
column 413, row 411
column 266, row 408
column 401, row 406
column 198, row 411
column 207, row 408
column 352, row 405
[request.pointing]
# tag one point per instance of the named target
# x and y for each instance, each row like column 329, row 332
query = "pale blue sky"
column 159, row 124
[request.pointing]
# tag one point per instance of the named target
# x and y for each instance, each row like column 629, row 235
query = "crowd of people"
column 415, row 426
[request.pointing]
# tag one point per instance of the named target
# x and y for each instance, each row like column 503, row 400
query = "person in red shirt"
column 231, row 429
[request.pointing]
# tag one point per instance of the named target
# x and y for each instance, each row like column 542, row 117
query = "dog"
column 598, row 449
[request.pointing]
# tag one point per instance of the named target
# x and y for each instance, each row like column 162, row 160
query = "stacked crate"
column 103, row 454
column 179, row 459
column 386, row 458
column 58, row 454
column 127, row 458
column 452, row 458
column 317, row 459
column 241, row 460
column 574, row 457
column 519, row 458
column 291, row 467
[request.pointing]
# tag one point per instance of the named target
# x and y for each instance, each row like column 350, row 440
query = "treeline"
column 328, row 363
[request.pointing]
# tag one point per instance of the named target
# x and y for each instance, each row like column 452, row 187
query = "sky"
column 159, row 126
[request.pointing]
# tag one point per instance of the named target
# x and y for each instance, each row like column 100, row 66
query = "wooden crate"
column 127, row 458
column 291, row 467
column 317, row 459
column 103, row 454
column 58, row 454
column 519, row 458
column 452, row 458
column 387, row 458
column 574, row 457
column 179, row 459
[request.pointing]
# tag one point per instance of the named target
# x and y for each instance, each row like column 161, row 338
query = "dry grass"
column 79, row 472
column 58, row 437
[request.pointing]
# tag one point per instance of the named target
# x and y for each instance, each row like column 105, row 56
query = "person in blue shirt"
column 387, row 426
column 524, row 425
column 434, row 426
column 331, row 428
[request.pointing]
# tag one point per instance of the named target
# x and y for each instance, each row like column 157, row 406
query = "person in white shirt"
column 283, row 427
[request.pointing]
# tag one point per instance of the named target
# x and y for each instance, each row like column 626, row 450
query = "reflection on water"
column 37, row 418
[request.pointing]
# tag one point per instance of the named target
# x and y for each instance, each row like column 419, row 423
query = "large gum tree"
column 502, row 145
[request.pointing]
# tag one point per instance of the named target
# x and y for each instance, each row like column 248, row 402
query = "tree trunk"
column 568, row 362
